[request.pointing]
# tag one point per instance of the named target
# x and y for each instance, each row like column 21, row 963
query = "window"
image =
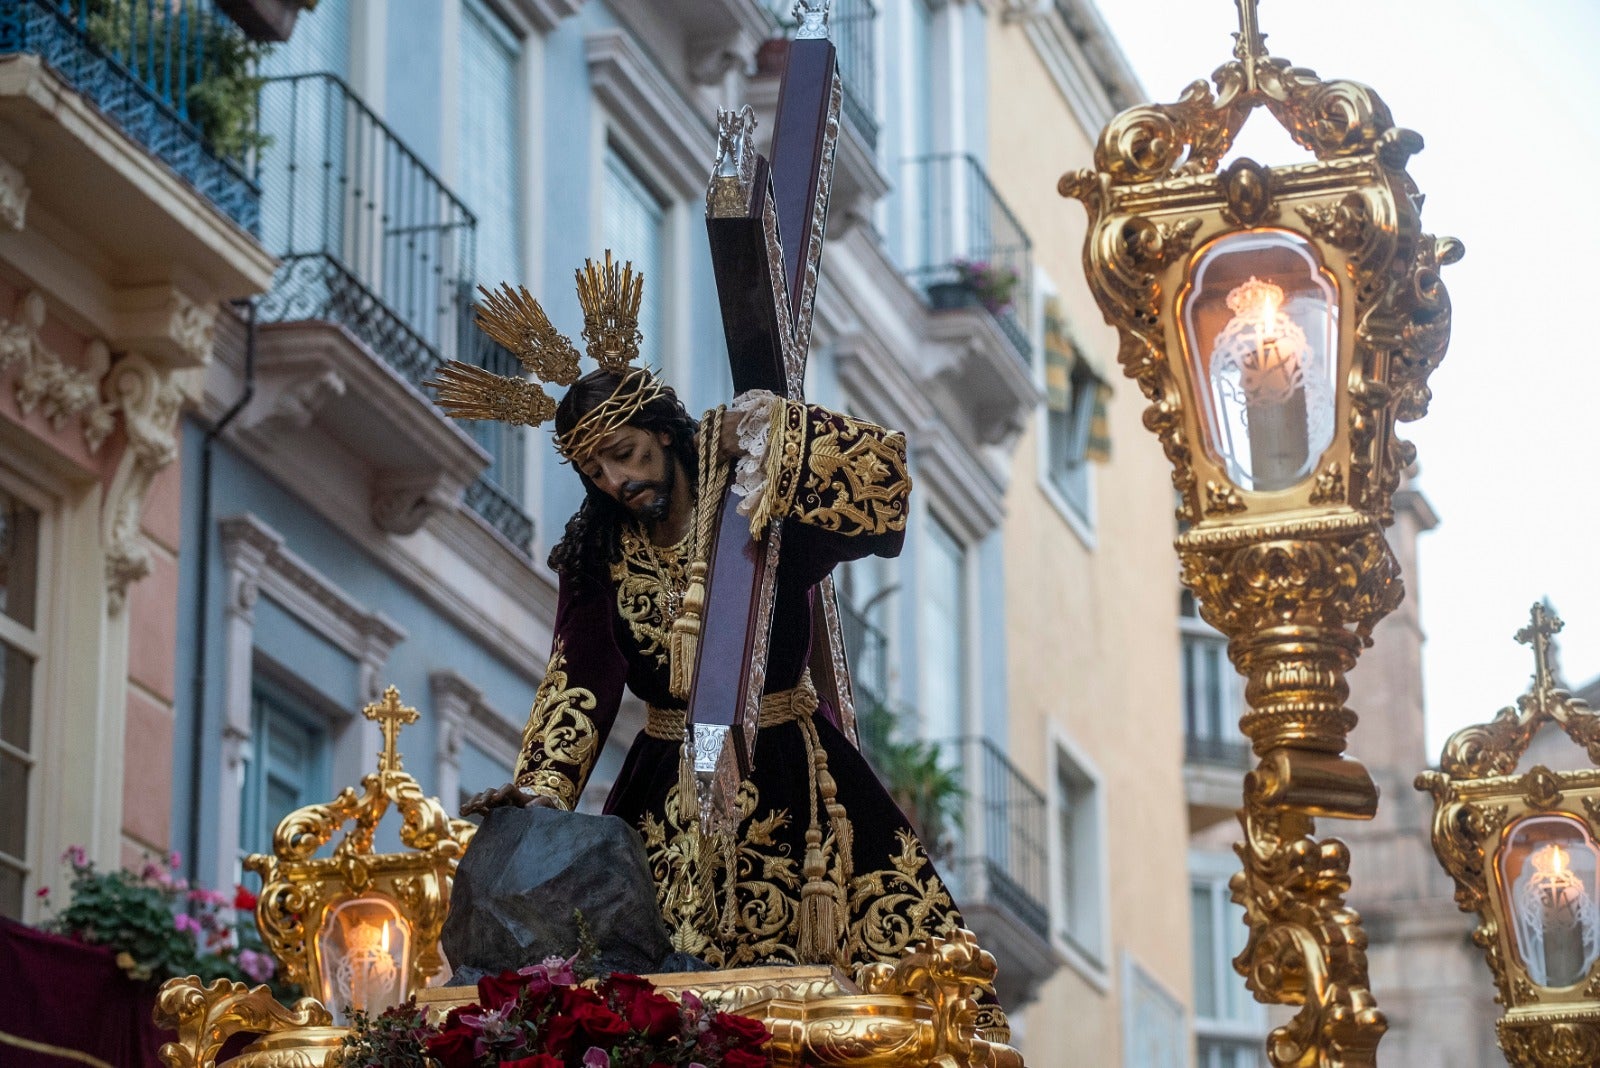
column 943, row 625
column 20, row 649
column 1153, row 1032
column 320, row 43
column 1213, row 692
column 488, row 175
column 1079, row 911
column 1075, row 415
column 285, row 764
column 480, row 770
column 1229, row 1026
column 633, row 223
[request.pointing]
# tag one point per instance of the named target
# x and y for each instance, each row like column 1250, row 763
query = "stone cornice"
column 650, row 111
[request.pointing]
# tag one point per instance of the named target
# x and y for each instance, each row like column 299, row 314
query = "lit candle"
column 1563, row 908
column 1269, row 353
column 367, row 973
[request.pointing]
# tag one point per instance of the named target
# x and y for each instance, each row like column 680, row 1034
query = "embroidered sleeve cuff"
column 560, row 742
column 771, row 435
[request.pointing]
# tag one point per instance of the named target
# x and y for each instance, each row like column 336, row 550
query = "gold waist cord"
column 823, row 901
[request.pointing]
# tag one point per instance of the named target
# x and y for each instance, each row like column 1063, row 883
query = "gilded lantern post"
column 1279, row 320
column 1523, row 848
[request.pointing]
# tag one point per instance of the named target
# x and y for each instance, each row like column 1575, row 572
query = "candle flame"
column 1552, row 860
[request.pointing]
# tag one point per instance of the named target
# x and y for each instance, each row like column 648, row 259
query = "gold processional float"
column 1524, row 851
column 361, row 930
column 1279, row 320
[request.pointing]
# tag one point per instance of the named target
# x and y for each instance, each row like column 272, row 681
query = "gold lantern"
column 1524, row 851
column 358, row 929
column 1279, row 320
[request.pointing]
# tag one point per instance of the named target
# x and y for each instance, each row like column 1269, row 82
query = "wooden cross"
column 765, row 221
column 390, row 715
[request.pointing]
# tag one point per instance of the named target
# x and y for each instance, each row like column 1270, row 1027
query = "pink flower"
column 258, row 966
column 174, row 860
column 43, row 891
column 596, row 1058
column 77, row 856
column 185, row 922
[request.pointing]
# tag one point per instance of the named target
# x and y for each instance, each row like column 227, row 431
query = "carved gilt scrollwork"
column 205, row 1017
column 1306, row 947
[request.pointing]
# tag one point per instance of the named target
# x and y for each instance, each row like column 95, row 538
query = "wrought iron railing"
column 1002, row 846
column 177, row 76
column 497, row 496
column 368, row 234
column 1213, row 699
column 371, row 239
column 867, row 649
column 854, row 28
column 967, row 248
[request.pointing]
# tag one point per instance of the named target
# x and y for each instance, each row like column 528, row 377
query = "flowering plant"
column 994, row 285
column 160, row 927
column 542, row 1017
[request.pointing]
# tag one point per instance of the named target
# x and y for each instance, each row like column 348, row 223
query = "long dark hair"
column 592, row 540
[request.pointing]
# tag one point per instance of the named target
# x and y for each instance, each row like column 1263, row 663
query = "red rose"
column 746, row 1058
column 569, row 998
column 655, row 1015
column 557, row 1034
column 538, row 1060
column 741, row 1029
column 244, row 899
column 496, row 991
column 600, row 1023
column 453, row 1046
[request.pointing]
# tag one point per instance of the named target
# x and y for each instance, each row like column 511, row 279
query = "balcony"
column 164, row 73
column 867, row 651
column 1216, row 754
column 968, row 250
column 377, row 250
column 999, row 870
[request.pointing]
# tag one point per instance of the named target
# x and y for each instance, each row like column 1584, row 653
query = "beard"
column 655, row 509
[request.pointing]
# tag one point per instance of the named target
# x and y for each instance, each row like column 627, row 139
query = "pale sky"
column 1507, row 98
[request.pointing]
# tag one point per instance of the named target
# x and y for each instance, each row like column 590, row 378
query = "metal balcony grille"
column 853, row 24
column 368, row 235
column 371, row 239
column 867, row 650
column 968, row 249
column 1002, row 844
column 156, row 70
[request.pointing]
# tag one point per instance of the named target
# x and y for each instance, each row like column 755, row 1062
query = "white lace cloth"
column 753, row 409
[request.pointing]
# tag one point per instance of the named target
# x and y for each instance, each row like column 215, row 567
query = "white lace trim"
column 754, row 411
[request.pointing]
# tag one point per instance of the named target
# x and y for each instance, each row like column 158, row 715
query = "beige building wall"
column 1094, row 666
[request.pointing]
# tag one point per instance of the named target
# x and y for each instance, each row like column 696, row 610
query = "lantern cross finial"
column 1543, row 626
column 1249, row 44
column 390, row 715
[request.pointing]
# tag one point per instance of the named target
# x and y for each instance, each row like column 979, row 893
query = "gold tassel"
column 688, row 791
column 683, row 643
column 818, row 941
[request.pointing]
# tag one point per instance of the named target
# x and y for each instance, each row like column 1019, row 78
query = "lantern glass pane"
column 1260, row 325
column 364, row 952
column 1549, row 878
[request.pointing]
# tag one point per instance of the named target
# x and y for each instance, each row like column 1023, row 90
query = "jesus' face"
column 635, row 468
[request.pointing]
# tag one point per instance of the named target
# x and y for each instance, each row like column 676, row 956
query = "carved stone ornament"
column 43, row 381
column 149, row 401
column 299, row 887
column 13, row 197
column 1478, row 797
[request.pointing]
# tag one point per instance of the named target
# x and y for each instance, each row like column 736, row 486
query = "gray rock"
column 526, row 873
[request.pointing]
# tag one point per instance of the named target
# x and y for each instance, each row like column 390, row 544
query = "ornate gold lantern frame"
column 301, row 891
column 1479, row 800
column 1296, row 576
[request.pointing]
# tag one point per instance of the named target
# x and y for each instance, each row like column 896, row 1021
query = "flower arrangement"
column 995, row 285
column 544, row 1017
column 160, row 927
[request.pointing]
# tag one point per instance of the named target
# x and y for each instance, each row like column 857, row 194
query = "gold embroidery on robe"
column 646, row 587
column 559, row 732
column 690, row 887
column 856, row 480
column 894, row 908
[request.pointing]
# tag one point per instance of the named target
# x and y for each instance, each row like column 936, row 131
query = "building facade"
column 125, row 221
column 1091, row 653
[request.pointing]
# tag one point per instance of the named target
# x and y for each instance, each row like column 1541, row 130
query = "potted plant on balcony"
column 993, row 285
column 916, row 775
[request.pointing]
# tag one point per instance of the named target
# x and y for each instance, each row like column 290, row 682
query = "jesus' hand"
column 502, row 796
